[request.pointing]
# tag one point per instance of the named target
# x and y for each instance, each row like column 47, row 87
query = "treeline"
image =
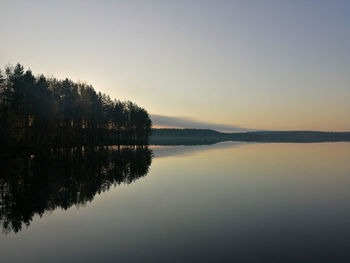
column 40, row 111
column 205, row 136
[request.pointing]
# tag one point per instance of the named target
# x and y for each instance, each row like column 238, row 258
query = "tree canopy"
column 39, row 111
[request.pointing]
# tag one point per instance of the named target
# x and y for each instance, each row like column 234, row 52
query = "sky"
column 272, row 65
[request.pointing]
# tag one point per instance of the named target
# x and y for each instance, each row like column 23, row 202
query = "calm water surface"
column 228, row 202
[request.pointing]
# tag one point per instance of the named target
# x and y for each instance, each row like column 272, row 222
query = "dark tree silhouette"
column 40, row 112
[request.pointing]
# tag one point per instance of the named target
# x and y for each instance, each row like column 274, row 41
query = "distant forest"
column 205, row 136
column 41, row 112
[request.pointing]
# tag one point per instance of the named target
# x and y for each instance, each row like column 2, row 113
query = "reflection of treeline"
column 33, row 184
column 39, row 111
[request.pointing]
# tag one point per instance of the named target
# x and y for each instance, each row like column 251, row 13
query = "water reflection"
column 34, row 184
column 160, row 151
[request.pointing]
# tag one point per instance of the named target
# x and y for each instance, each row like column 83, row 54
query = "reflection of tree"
column 34, row 184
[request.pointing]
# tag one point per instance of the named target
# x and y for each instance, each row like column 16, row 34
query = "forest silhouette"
column 48, row 112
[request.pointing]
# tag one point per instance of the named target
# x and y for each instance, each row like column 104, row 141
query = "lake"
column 227, row 202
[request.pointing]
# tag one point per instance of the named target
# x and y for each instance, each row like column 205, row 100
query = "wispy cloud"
column 186, row 122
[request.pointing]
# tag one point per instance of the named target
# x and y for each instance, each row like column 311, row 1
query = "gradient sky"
column 254, row 64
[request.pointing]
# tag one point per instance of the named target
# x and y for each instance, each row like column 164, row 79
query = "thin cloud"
column 186, row 122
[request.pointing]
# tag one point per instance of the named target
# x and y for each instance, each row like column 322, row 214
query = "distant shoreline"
column 208, row 136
